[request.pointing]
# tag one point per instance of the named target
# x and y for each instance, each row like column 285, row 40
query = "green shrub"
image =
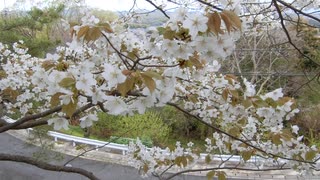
column 183, row 125
column 149, row 127
column 145, row 126
column 106, row 126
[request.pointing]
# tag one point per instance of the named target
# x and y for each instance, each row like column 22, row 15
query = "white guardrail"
column 124, row 148
column 98, row 144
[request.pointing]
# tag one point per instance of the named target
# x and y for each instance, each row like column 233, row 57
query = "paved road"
column 19, row 171
column 103, row 170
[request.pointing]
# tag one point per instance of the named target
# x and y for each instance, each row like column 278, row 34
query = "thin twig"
column 121, row 55
column 28, row 118
column 210, row 5
column 99, row 147
column 298, row 10
column 159, row 8
column 287, row 32
column 234, row 137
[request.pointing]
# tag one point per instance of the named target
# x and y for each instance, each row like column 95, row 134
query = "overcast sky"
column 114, row 5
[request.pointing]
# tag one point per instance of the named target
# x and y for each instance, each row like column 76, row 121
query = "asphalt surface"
column 109, row 167
column 21, row 171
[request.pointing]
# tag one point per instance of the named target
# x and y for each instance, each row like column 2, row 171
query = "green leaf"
column 234, row 131
column 126, row 86
column 181, row 161
column 259, row 103
column 247, row 103
column 93, row 34
column 221, row 175
column 48, row 64
column 242, row 121
column 70, row 108
column 67, row 82
column 149, row 82
column 193, row 98
column 234, row 19
column 83, row 31
column 286, row 134
column 106, row 27
column 169, row 34
column 246, row 155
column 225, row 94
column 275, row 138
column 3, row 74
column 161, row 30
column 55, row 99
column 145, row 168
column 184, row 161
column 234, row 93
column 226, row 21
column 310, row 155
column 214, row 22
column 190, row 158
column 195, row 61
column 210, row 175
column 152, row 74
column 10, row 93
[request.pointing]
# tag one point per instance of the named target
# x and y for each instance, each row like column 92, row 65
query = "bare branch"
column 83, row 108
column 287, row 32
column 121, row 55
column 99, row 147
column 298, row 11
column 47, row 166
column 28, row 118
column 32, row 124
column 159, row 8
column 235, row 138
column 210, row 5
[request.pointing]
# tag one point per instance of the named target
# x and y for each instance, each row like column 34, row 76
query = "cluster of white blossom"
column 126, row 71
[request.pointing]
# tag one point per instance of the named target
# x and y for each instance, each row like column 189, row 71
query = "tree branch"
column 28, row 118
column 99, row 147
column 287, row 32
column 46, row 166
column 32, row 124
column 210, row 5
column 159, row 8
column 234, row 137
column 298, row 11
column 121, row 55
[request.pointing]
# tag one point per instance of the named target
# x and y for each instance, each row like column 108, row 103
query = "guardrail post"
column 28, row 130
column 55, row 139
column 73, row 143
column 123, row 152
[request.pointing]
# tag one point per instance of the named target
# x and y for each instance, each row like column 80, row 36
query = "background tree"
column 34, row 27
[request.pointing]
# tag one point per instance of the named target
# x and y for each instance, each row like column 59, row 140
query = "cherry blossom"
column 85, row 82
column 116, row 105
column 196, row 23
column 112, row 75
column 59, row 123
column 275, row 95
column 87, row 120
